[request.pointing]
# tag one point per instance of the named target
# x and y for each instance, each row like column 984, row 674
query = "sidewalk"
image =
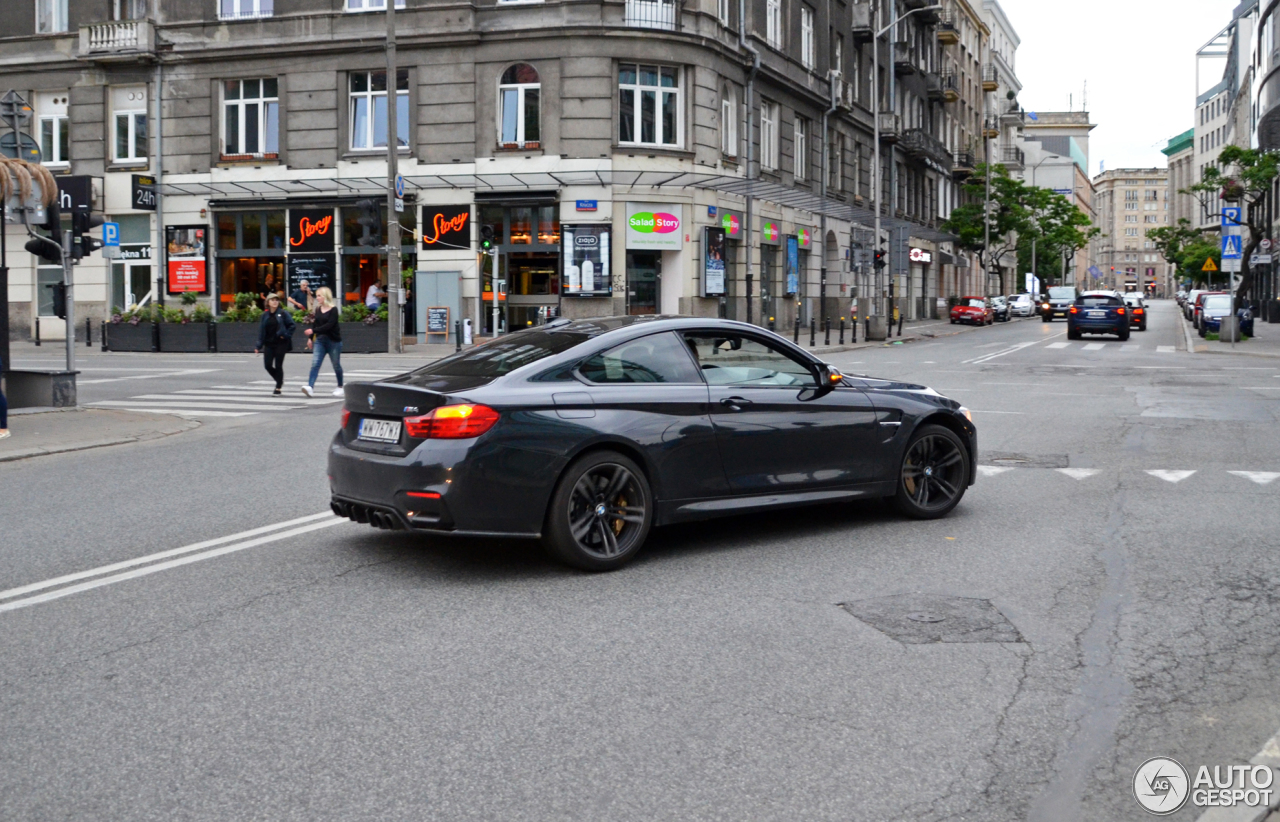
column 1266, row 344
column 39, row 431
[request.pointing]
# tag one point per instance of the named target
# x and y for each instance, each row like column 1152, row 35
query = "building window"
column 1131, row 218
column 518, row 102
column 1151, row 218
column 129, row 125
column 729, row 123
column 723, row 7
column 129, row 9
column 769, row 136
column 51, row 16
column 835, row 154
column 802, row 149
column 649, row 112
column 1131, row 232
column 234, row 9
column 371, row 5
column 773, row 23
column 806, row 37
column 250, row 118
column 369, row 109
column 837, row 54
column 54, row 131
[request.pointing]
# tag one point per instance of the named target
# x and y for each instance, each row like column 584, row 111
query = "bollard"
column 813, row 328
column 37, row 331
column 842, row 330
column 773, row 324
column 827, row 322
column 899, row 324
column 457, row 335
column 795, row 336
column 88, row 333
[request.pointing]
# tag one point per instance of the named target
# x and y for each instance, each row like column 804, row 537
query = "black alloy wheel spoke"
column 606, row 510
column 581, row 525
column 922, row 492
column 620, row 479
column 946, row 487
column 609, row 540
column 585, row 489
column 949, row 461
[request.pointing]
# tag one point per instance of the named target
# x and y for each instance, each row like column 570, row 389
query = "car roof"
column 1099, row 293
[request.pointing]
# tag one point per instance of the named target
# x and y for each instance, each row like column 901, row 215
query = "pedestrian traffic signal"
column 82, row 244
column 486, row 238
column 879, row 260
column 370, row 221
column 59, row 300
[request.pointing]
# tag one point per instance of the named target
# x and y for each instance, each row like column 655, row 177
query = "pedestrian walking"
column 275, row 339
column 326, row 340
column 4, row 409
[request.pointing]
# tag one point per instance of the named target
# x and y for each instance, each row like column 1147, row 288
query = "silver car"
column 1021, row 305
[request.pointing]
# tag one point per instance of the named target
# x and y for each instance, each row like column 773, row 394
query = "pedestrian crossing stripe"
column 1173, row 476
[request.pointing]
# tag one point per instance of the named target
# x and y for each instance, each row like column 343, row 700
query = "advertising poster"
column 316, row 269
column 311, row 230
column 446, row 228
column 185, row 251
column 713, row 263
column 654, row 226
column 587, row 271
column 793, row 264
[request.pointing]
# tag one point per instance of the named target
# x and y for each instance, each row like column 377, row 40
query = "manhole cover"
column 920, row 619
column 1025, row 460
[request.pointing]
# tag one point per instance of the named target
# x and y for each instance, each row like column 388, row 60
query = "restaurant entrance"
column 527, row 246
column 643, row 270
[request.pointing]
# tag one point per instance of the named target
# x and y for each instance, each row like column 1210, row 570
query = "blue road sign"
column 1231, row 247
column 1230, row 216
column 111, row 234
column 1095, row 272
column 399, row 186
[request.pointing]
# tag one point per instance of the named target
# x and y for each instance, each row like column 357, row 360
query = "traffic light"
column 879, row 261
column 59, row 300
column 49, row 250
column 370, row 221
column 486, row 238
column 82, row 222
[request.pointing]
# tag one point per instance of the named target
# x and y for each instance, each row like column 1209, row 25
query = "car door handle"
column 735, row 403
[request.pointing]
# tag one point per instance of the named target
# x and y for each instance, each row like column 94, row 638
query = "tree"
column 1183, row 246
column 1242, row 176
column 1008, row 216
column 1056, row 228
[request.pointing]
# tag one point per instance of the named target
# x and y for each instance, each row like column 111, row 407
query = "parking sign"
column 1230, row 216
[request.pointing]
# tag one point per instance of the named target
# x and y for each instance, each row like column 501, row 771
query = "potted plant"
column 183, row 333
column 236, row 331
column 132, row 329
column 363, row 331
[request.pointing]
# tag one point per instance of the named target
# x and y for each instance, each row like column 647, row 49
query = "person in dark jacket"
column 326, row 337
column 275, row 339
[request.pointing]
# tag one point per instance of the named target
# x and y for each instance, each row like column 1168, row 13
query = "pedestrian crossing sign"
column 1208, row 265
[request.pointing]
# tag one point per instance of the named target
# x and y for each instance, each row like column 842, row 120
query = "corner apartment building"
column 1057, row 157
column 1131, row 202
column 1182, row 173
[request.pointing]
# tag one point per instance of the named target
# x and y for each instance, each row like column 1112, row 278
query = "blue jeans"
column 320, row 347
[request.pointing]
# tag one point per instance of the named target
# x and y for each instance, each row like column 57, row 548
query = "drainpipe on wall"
column 747, row 135
column 833, row 87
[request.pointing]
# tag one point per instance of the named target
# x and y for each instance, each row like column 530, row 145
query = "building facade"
column 1130, row 203
column 1183, row 173
column 1056, row 144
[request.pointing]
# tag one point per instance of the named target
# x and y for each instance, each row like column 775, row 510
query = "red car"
column 972, row 310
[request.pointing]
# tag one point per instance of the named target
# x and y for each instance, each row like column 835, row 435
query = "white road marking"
column 1171, row 476
column 1163, row 367
column 172, row 552
column 1095, row 346
column 231, row 396
column 988, row 357
column 992, row 470
column 1260, row 387
column 1260, row 477
column 187, row 413
column 327, row 520
column 1129, row 348
column 975, row 411
column 1078, row 473
column 169, row 373
column 1059, row 345
column 1165, row 349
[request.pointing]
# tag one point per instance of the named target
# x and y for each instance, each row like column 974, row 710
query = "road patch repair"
column 925, row 619
column 37, row 432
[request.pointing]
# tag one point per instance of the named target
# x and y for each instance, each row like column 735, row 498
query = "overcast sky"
column 1138, row 57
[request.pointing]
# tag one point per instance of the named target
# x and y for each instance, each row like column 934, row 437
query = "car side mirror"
column 828, row 376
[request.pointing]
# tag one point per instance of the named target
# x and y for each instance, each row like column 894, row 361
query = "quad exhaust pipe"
column 385, row 520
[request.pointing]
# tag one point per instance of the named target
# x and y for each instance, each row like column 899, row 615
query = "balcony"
column 890, row 127
column 933, row 87
column 924, row 146
column 653, row 14
column 862, row 29
column 950, row 86
column 962, row 165
column 990, row 78
column 1013, row 158
column 1012, row 115
column 990, row 127
column 948, row 29
column 119, row 41
column 903, row 59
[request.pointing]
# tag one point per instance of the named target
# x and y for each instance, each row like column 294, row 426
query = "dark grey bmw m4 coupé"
column 587, row 433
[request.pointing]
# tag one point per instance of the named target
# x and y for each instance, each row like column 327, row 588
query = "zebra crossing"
column 1123, row 348
column 1173, row 476
column 244, row 400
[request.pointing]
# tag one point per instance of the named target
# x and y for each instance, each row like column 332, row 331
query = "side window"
column 656, row 358
column 730, row 359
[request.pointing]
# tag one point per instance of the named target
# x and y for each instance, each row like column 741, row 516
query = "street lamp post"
column 875, row 90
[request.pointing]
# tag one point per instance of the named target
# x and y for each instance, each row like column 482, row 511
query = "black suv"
column 1058, row 302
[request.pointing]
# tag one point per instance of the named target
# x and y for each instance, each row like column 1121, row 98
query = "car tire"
column 1123, row 335
column 1047, row 318
column 579, row 529
column 953, row 322
column 1072, row 334
column 1202, row 332
column 933, row 475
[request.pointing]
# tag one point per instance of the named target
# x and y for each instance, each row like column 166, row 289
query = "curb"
column 40, row 452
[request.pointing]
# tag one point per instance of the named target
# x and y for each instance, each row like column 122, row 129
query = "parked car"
column 1137, row 306
column 1180, row 298
column 1098, row 312
column 1189, row 304
column 1021, row 305
column 1216, row 306
column 587, row 433
column 1198, row 307
column 1000, row 309
column 1058, row 302
column 974, row 310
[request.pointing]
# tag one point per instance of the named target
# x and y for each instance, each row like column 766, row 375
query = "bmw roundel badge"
column 371, row 401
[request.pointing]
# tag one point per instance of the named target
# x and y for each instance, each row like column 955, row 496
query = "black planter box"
column 299, row 338
column 235, row 338
column 184, row 338
column 130, row 337
column 359, row 338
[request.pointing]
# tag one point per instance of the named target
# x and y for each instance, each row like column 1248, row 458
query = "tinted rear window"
column 1100, row 300
column 503, row 355
column 1059, row 292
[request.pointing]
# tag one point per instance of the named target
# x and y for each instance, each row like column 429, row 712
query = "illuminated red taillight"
column 346, row 415
column 423, row 494
column 1074, row 310
column 1120, row 311
column 452, row 422
column 1137, row 311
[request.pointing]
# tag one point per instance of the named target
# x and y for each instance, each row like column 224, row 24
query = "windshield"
column 1060, row 292
column 1218, row 302
column 1133, row 299
column 977, row 304
column 503, row 355
column 1099, row 300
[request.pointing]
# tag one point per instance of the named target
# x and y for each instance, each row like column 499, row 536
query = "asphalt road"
column 324, row 670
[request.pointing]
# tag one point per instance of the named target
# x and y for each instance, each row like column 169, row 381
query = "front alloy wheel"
column 934, row 474
column 600, row 513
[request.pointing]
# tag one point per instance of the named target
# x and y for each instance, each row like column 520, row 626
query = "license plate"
column 379, row 430
column 1096, row 313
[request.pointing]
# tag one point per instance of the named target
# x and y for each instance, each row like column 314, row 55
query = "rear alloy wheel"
column 1072, row 334
column 934, row 474
column 600, row 513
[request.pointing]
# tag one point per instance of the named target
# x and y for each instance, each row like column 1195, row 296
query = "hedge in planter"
column 236, row 331
column 182, row 334
column 132, row 330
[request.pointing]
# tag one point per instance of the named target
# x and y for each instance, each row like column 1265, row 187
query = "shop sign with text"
column 805, row 237
column 770, row 233
column 655, row 226
column 731, row 222
column 311, row 230
column 446, row 228
column 919, row 255
column 186, row 255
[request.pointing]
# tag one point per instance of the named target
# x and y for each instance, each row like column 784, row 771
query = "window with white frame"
column 806, row 37
column 837, row 54
column 129, row 124
column 371, row 5
column 51, row 110
column 649, row 110
column 769, row 136
column 519, row 107
column 51, row 16
column 729, row 122
column 233, row 9
column 369, row 109
column 129, row 9
column 1131, row 232
column 773, row 23
column 250, row 118
column 723, row 9
column 801, row 149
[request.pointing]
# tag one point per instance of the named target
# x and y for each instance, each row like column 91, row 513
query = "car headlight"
column 968, row 415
